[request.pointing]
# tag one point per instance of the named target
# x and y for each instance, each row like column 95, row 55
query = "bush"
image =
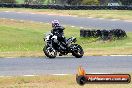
column 34, row 1
column 90, row 2
column 7, row 1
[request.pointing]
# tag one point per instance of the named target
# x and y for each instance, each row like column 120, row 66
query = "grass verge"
column 25, row 38
column 109, row 14
column 49, row 81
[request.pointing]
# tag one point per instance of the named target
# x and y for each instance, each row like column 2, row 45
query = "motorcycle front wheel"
column 77, row 51
column 49, row 52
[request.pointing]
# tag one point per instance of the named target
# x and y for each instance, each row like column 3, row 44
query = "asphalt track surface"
column 64, row 65
column 69, row 20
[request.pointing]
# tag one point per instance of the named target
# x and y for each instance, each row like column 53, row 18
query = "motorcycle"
column 53, row 46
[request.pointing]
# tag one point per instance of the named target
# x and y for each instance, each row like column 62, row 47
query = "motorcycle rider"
column 58, row 31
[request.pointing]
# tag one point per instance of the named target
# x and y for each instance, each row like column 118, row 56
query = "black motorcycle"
column 53, row 46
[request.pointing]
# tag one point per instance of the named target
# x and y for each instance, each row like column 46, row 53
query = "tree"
column 34, row 1
column 126, row 2
column 103, row 2
column 90, row 2
column 60, row 1
column 74, row 2
column 7, row 1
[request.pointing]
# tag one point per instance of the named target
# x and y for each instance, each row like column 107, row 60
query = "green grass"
column 25, row 36
column 20, row 1
column 109, row 14
column 17, row 36
column 49, row 81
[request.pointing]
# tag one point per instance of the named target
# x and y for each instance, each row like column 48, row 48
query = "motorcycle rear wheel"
column 49, row 52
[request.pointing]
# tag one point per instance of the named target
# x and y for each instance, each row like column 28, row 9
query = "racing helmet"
column 55, row 23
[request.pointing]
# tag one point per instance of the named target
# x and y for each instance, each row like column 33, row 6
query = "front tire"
column 77, row 51
column 49, row 52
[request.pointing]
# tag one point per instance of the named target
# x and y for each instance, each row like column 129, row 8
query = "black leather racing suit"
column 59, row 32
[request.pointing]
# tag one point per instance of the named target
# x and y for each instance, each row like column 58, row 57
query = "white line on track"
column 89, row 17
column 41, row 22
column 7, row 11
column 5, row 76
column 120, row 55
column 9, row 57
column 72, row 26
column 101, row 18
column 114, row 19
column 104, row 55
column 30, row 75
column 12, row 19
column 33, row 13
column 81, row 27
column 128, row 20
column 50, row 14
column 19, row 12
column 3, row 18
column 21, row 20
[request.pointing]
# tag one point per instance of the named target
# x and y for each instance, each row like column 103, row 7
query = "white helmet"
column 55, row 23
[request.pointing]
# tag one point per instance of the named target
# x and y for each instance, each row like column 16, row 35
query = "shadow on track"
column 62, row 57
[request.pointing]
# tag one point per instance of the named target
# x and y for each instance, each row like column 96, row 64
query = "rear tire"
column 49, row 52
